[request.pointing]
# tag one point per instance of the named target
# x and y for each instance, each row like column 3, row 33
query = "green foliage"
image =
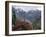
column 13, row 16
column 37, row 25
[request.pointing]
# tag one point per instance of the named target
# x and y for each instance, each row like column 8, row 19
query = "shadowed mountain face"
column 34, row 16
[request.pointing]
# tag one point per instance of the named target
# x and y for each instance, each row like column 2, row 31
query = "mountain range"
column 31, row 15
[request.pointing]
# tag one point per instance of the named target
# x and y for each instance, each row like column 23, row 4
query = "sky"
column 27, row 8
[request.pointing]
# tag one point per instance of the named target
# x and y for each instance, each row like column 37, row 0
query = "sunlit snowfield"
column 26, row 18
